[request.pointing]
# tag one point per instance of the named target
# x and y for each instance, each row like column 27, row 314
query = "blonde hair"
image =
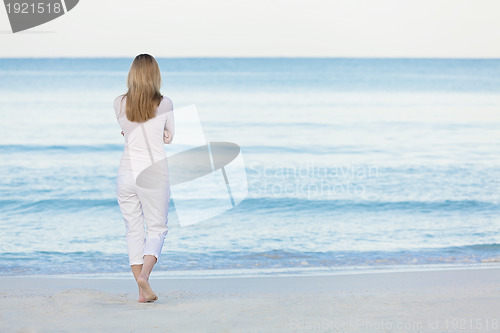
column 143, row 83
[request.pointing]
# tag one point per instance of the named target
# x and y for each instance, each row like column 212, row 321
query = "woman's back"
column 144, row 142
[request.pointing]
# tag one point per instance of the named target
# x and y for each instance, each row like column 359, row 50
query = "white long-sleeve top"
column 144, row 141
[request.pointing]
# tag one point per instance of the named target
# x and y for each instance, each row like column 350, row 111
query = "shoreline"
column 428, row 301
column 271, row 272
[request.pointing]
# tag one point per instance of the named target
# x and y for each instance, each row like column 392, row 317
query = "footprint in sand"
column 85, row 297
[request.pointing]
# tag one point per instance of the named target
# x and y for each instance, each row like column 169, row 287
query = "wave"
column 257, row 149
column 308, row 149
column 50, row 205
column 423, row 206
column 90, row 262
column 62, row 148
column 315, row 149
column 492, row 247
column 264, row 205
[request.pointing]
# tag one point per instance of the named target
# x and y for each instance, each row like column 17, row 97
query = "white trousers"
column 143, row 207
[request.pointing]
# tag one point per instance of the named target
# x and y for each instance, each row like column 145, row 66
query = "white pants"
column 141, row 206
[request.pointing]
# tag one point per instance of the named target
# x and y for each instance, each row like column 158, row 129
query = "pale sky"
column 266, row 28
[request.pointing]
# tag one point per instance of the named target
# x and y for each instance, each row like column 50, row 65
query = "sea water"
column 351, row 163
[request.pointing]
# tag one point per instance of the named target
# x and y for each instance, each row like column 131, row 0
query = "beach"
column 452, row 299
column 332, row 168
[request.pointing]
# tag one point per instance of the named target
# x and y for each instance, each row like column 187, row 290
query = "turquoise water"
column 350, row 163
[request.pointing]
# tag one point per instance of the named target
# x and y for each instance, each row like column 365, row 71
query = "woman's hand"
column 167, row 137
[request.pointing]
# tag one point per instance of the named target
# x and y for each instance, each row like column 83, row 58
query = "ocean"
column 352, row 165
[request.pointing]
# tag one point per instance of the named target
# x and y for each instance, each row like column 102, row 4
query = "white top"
column 144, row 141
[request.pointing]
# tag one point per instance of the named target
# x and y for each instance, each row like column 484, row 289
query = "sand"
column 448, row 300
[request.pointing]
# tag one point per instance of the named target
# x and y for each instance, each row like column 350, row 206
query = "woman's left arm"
column 169, row 130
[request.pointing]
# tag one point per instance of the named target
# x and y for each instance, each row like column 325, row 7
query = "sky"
column 264, row 28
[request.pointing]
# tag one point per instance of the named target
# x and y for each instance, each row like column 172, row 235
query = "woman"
column 142, row 188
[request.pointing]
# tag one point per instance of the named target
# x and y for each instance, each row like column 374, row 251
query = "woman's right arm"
column 117, row 105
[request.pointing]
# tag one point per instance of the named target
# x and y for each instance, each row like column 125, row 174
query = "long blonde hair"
column 143, row 83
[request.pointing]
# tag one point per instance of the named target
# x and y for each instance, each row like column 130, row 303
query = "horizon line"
column 257, row 57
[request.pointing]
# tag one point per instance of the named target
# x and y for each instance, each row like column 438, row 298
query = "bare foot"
column 142, row 299
column 147, row 293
